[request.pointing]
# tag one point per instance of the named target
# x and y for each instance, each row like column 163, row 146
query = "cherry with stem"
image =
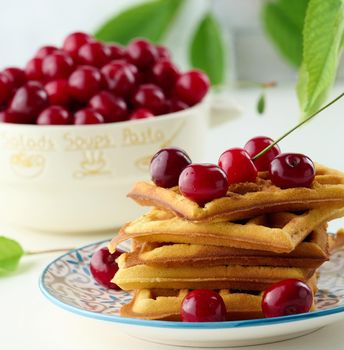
column 297, row 126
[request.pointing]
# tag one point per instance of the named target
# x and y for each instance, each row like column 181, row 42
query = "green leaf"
column 323, row 33
column 150, row 20
column 10, row 254
column 261, row 104
column 283, row 21
column 207, row 51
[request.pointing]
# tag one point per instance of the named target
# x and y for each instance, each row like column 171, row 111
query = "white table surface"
column 29, row 321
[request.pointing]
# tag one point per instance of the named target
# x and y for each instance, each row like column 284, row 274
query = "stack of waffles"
column 238, row 245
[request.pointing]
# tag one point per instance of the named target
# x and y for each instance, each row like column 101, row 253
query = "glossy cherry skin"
column 287, row 297
column 94, row 54
column 16, row 76
column 74, row 41
column 5, row 88
column 256, row 145
column 165, row 74
column 88, row 116
column 175, row 105
column 141, row 113
column 203, row 305
column 54, row 115
column 238, row 166
column 203, row 182
column 151, row 97
column 167, row 165
column 103, row 267
column 33, row 69
column 9, row 117
column 163, row 51
column 57, row 66
column 192, row 86
column 84, row 82
column 142, row 53
column 117, row 52
column 119, row 77
column 292, row 170
column 28, row 101
column 45, row 51
column 58, row 92
column 112, row 108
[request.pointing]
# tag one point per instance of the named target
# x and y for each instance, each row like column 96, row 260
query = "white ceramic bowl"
column 75, row 178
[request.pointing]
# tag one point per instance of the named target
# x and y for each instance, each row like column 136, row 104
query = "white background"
column 27, row 320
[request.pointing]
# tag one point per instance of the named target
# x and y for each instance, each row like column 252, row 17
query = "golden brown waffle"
column 309, row 254
column 247, row 200
column 275, row 232
column 211, row 277
column 165, row 304
column 336, row 241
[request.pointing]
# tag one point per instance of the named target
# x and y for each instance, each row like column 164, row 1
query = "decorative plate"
column 67, row 282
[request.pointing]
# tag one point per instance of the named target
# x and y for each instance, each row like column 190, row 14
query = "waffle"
column 247, row 200
column 162, row 304
column 275, row 232
column 195, row 277
column 309, row 254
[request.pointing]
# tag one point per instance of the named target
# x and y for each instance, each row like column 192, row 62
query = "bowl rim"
column 168, row 116
column 175, row 324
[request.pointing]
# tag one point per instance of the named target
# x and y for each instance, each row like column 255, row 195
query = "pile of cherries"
column 204, row 182
column 90, row 82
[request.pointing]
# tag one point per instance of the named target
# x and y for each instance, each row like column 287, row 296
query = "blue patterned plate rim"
column 174, row 324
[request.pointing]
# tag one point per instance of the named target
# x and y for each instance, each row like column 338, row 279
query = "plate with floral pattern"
column 68, row 283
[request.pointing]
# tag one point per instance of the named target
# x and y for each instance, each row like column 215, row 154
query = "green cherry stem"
column 297, row 126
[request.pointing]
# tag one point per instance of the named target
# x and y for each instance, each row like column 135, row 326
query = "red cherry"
column 192, row 86
column 165, row 74
column 15, row 75
column 94, row 54
column 287, row 297
column 88, row 116
column 45, row 51
column 238, row 166
column 33, row 69
column 119, row 77
column 58, row 93
column 163, row 52
column 103, row 267
column 57, row 66
column 28, row 101
column 203, row 182
column 151, row 97
column 175, row 105
column 292, row 170
column 84, row 82
column 54, row 115
column 142, row 53
column 5, row 88
column 141, row 113
column 116, row 51
column 167, row 165
column 8, row 117
column 112, row 108
column 203, row 305
column 256, row 145
column 74, row 41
